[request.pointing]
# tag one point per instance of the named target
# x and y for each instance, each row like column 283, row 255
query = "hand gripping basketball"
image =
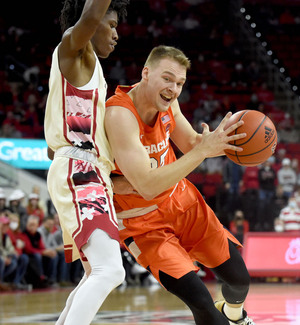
column 260, row 142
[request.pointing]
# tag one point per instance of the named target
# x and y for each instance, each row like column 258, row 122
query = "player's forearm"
column 94, row 10
column 160, row 179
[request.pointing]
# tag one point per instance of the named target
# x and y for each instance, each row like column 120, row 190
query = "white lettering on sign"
column 292, row 255
column 9, row 152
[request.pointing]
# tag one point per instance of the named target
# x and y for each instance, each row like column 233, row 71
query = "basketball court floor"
column 273, row 303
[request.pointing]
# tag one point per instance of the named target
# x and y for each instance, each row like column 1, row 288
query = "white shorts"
column 81, row 192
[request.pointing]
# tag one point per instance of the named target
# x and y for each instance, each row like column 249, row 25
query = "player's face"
column 106, row 36
column 165, row 82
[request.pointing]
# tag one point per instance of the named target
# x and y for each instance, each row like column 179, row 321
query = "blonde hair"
column 162, row 52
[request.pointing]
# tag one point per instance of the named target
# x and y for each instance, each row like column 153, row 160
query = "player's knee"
column 239, row 280
column 113, row 274
column 242, row 282
column 118, row 274
column 236, row 291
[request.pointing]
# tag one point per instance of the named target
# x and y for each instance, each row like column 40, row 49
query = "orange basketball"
column 260, row 142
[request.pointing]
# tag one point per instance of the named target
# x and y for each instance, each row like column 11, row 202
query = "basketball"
column 260, row 142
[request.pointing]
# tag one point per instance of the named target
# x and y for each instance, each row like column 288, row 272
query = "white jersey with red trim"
column 75, row 117
column 291, row 219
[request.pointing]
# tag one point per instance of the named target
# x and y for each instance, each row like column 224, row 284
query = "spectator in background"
column 254, row 103
column 38, row 253
column 117, row 74
column 278, row 225
column 266, row 194
column 133, row 73
column 287, row 178
column 280, row 154
column 238, row 75
column 280, row 201
column 140, row 30
column 3, row 287
column 42, row 204
column 191, row 22
column 265, row 95
column 286, row 130
column 15, row 236
column 212, row 166
column 158, row 6
column 154, row 30
column 290, row 216
column 56, row 242
column 74, row 270
column 46, row 231
column 253, row 74
column 250, row 194
column 33, row 207
column 15, row 200
column 8, row 257
column 233, row 179
column 239, row 226
column 12, row 235
column 9, row 131
column 3, row 206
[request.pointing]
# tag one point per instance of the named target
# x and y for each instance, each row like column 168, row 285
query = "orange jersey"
column 155, row 140
column 177, row 228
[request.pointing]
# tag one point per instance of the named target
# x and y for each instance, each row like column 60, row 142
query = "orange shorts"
column 181, row 231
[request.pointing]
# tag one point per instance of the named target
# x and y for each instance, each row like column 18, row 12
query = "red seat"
column 293, row 148
column 196, row 178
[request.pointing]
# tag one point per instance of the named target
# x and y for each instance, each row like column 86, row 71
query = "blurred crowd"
column 222, row 78
column 31, row 245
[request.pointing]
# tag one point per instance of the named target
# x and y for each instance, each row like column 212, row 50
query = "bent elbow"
column 147, row 194
column 149, row 197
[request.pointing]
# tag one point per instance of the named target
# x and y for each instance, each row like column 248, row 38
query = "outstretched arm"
column 76, row 53
column 76, row 38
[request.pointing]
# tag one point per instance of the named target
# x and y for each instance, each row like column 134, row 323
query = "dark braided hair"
column 72, row 10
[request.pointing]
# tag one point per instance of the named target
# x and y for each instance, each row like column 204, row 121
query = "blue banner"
column 24, row 153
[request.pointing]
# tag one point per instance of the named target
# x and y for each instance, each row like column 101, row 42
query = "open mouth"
column 166, row 98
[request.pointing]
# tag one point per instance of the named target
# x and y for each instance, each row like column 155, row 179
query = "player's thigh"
column 160, row 250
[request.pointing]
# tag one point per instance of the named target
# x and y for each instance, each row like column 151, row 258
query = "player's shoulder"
column 118, row 111
column 120, row 97
column 67, row 48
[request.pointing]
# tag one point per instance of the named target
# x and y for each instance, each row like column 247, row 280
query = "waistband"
column 136, row 212
column 76, row 153
column 81, row 154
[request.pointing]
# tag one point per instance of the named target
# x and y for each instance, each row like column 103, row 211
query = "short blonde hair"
column 162, row 52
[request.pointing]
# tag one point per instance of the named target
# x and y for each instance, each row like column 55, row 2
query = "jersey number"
column 154, row 162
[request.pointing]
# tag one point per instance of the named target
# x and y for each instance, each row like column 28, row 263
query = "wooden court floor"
column 276, row 304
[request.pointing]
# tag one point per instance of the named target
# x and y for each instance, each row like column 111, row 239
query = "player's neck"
column 144, row 107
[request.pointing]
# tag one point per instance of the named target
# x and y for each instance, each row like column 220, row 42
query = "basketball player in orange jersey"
column 78, row 179
column 166, row 224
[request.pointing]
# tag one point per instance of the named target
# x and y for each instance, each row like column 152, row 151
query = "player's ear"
column 145, row 73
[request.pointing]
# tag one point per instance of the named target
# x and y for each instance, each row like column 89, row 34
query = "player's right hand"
column 213, row 143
